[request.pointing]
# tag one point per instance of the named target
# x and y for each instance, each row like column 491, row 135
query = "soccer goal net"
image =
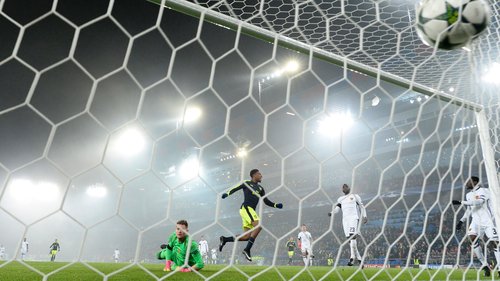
column 119, row 118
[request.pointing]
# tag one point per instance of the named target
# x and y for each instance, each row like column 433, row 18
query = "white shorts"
column 307, row 250
column 480, row 230
column 204, row 254
column 350, row 226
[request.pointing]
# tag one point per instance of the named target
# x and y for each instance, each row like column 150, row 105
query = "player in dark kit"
column 54, row 248
column 290, row 244
column 252, row 192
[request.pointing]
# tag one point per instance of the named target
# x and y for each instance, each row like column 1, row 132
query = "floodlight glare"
column 192, row 114
column 27, row 191
column 492, row 73
column 189, row 168
column 291, row 66
column 242, row 153
column 334, row 124
column 130, row 142
column 96, row 190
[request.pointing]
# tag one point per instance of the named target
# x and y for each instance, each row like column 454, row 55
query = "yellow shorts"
column 290, row 254
column 248, row 215
column 53, row 252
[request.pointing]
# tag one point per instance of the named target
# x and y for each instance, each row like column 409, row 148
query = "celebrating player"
column 203, row 247
column 305, row 244
column 174, row 252
column 352, row 208
column 252, row 192
column 290, row 244
column 478, row 204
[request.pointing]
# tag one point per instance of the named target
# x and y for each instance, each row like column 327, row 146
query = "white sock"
column 354, row 248
column 356, row 252
column 305, row 260
column 479, row 254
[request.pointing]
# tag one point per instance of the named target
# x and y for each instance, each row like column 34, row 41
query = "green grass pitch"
column 16, row 271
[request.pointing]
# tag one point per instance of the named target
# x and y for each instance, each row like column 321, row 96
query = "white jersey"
column 24, row 246
column 116, row 255
column 305, row 239
column 351, row 206
column 203, row 246
column 479, row 206
column 214, row 254
column 2, row 250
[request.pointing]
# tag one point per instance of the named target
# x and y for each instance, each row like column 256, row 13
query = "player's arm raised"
column 478, row 200
column 232, row 190
column 335, row 210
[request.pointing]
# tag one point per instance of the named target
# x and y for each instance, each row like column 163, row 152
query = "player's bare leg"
column 224, row 239
column 253, row 235
column 249, row 236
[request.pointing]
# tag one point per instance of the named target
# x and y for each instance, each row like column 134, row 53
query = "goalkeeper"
column 178, row 248
column 253, row 192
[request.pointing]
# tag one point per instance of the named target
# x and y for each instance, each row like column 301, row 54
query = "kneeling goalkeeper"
column 175, row 251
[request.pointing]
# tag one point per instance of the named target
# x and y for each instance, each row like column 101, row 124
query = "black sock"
column 229, row 239
column 250, row 243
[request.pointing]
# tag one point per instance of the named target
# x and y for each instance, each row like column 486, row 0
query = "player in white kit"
column 478, row 205
column 203, row 247
column 116, row 255
column 214, row 256
column 2, row 252
column 305, row 241
column 24, row 248
column 352, row 208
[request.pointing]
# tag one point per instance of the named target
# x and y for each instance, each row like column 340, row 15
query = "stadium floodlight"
column 25, row 190
column 242, row 152
column 492, row 73
column 189, row 168
column 333, row 125
column 192, row 114
column 96, row 190
column 291, row 66
column 129, row 143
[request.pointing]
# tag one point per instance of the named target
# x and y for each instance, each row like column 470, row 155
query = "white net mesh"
column 119, row 118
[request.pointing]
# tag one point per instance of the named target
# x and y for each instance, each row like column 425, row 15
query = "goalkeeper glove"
column 186, row 269
column 459, row 225
column 224, row 195
column 279, row 205
column 456, row 202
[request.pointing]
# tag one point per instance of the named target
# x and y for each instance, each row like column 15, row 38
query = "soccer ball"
column 451, row 24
